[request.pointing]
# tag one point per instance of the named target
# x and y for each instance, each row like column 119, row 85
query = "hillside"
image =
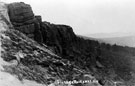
column 39, row 52
column 123, row 41
column 111, row 35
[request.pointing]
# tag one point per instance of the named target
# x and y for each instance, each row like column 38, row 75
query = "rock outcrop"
column 24, row 59
column 60, row 38
column 24, row 20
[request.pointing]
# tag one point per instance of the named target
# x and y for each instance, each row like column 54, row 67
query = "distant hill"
column 110, row 35
column 124, row 41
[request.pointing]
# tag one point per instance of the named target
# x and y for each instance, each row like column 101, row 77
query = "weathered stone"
column 39, row 18
column 24, row 23
column 20, row 12
column 31, row 36
column 27, row 29
column 38, row 35
column 57, row 35
column 23, row 19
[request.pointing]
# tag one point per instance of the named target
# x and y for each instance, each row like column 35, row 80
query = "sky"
column 87, row 16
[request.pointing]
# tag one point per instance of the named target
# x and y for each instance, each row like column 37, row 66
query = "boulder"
column 20, row 12
column 24, row 20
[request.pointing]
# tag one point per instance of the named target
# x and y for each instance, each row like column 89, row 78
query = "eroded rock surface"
column 24, row 20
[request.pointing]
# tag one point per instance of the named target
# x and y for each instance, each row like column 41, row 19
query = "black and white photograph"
column 67, row 42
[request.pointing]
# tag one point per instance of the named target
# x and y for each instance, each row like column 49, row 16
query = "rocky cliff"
column 60, row 38
column 24, row 20
column 28, row 62
column 46, row 52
